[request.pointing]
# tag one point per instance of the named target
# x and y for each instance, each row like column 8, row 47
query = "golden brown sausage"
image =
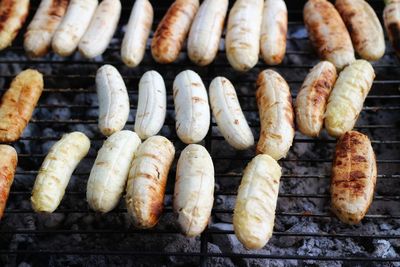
column 18, row 104
column 353, row 177
column 8, row 163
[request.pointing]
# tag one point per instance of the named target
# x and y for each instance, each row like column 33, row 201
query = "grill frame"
column 294, row 8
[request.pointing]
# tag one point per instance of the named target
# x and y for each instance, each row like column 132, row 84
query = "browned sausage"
column 18, row 103
column 391, row 17
column 353, row 177
column 8, row 163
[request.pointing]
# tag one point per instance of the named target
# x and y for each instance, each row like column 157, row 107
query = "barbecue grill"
column 306, row 232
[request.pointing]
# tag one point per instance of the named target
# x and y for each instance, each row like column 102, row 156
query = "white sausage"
column 110, row 170
column 192, row 111
column 137, row 32
column 56, row 171
column 152, row 105
column 113, row 100
column 194, row 189
column 101, row 29
column 228, row 114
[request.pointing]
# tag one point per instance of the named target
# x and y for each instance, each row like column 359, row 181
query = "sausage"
column 276, row 115
column 312, row 98
column 73, row 26
column 254, row 213
column 13, row 14
column 137, row 32
column 364, row 27
column 18, row 103
column 353, row 177
column 206, row 31
column 194, row 189
column 328, row 33
column 8, row 164
column 37, row 39
column 242, row 43
column 147, row 181
column 108, row 176
column 152, row 105
column 391, row 18
column 56, row 171
column 171, row 32
column 101, row 29
column 192, row 111
column 113, row 100
column 347, row 98
column 273, row 31
column 228, row 114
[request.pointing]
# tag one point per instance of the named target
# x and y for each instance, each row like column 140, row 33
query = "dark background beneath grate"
column 306, row 233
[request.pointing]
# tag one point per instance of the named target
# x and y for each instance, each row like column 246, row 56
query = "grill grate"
column 69, row 103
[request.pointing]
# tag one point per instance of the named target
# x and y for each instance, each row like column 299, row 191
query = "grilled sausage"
column 13, row 14
column 110, row 170
column 353, row 177
column 254, row 214
column 206, row 31
column 172, row 30
column 147, row 181
column 101, row 29
column 113, row 100
column 37, row 41
column 8, row 164
column 194, row 189
column 73, row 26
column 364, row 27
column 242, row 42
column 152, row 105
column 391, row 18
column 56, row 171
column 347, row 98
column 312, row 98
column 137, row 32
column 276, row 115
column 328, row 33
column 228, row 114
column 192, row 111
column 273, row 31
column 18, row 103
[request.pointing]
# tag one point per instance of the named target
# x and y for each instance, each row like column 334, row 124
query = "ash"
column 80, row 230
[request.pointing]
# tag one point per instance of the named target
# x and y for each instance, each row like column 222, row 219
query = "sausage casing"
column 312, row 98
column 110, row 170
column 254, row 213
column 391, row 18
column 37, row 41
column 347, row 97
column 172, row 30
column 364, row 27
column 242, row 43
column 18, row 103
column 328, row 33
column 13, row 14
column 194, row 189
column 56, row 171
column 8, row 164
column 353, row 177
column 273, row 31
column 147, row 181
column 276, row 115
